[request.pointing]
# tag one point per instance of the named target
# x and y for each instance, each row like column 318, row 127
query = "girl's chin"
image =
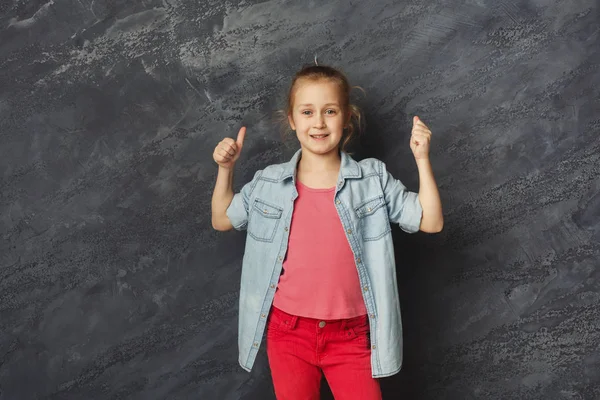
column 320, row 149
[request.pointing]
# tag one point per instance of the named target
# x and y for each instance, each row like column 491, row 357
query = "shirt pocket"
column 263, row 221
column 372, row 218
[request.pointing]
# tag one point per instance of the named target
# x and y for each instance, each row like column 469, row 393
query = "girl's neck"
column 310, row 162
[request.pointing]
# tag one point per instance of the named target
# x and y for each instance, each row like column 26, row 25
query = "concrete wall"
column 113, row 283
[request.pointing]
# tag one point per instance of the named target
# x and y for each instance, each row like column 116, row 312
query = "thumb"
column 240, row 137
column 415, row 119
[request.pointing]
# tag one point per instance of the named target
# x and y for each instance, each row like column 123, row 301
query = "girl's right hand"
column 228, row 150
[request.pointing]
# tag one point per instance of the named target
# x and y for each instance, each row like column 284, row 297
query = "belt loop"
column 293, row 322
column 343, row 325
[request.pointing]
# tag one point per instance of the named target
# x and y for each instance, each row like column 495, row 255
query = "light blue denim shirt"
column 367, row 199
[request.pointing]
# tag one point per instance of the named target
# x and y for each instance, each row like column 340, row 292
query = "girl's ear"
column 291, row 121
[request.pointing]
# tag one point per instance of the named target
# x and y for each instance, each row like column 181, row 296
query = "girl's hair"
column 351, row 112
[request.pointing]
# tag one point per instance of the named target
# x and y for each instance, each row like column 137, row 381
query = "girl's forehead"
column 321, row 87
column 321, row 82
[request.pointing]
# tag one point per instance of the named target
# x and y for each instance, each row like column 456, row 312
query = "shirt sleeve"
column 404, row 207
column 237, row 212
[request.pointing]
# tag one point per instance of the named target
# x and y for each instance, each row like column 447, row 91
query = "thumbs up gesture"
column 419, row 139
column 228, row 150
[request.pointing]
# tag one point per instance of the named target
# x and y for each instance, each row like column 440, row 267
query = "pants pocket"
column 279, row 325
column 360, row 334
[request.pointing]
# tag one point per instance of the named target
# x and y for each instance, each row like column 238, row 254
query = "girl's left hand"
column 419, row 140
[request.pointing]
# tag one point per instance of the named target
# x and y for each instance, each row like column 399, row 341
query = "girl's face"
column 317, row 116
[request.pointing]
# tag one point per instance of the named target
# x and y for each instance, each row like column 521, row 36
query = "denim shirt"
column 367, row 199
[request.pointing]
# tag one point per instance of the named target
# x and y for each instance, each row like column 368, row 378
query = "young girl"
column 318, row 270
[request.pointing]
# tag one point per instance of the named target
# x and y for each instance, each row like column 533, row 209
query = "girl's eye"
column 306, row 112
column 330, row 111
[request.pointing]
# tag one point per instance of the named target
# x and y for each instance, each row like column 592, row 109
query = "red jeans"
column 301, row 349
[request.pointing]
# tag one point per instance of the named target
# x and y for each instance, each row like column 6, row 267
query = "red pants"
column 301, row 349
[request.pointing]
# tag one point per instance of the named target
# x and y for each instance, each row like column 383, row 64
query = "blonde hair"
column 350, row 111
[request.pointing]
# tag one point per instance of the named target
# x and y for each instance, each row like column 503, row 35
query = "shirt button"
column 372, row 315
column 373, row 347
column 285, row 229
column 366, row 288
column 358, row 260
column 280, row 258
column 255, row 344
column 272, row 286
column 322, row 324
column 349, row 230
column 264, row 316
column 338, row 202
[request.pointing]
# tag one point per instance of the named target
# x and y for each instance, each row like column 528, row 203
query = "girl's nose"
column 320, row 122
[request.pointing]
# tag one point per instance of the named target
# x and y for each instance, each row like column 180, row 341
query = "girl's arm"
column 429, row 197
column 432, row 220
column 221, row 199
column 225, row 155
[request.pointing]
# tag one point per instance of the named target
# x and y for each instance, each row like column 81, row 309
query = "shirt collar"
column 349, row 168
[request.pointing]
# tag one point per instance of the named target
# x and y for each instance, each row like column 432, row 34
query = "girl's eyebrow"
column 328, row 104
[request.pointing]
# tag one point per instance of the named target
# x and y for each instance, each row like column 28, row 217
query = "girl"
column 318, row 270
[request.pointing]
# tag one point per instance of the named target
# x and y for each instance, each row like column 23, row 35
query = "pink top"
column 319, row 277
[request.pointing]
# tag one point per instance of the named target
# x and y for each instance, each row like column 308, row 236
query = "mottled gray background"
column 114, row 285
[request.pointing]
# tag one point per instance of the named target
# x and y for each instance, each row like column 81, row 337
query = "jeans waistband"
column 295, row 321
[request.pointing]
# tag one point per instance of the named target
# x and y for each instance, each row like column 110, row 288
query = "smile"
column 319, row 136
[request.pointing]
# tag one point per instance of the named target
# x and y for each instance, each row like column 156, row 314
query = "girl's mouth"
column 319, row 137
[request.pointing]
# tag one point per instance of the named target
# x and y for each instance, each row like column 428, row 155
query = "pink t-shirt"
column 319, row 278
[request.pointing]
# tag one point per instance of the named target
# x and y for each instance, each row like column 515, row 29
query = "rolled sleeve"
column 404, row 207
column 237, row 212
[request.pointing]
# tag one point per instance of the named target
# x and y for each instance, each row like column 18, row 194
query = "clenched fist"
column 419, row 139
column 228, row 150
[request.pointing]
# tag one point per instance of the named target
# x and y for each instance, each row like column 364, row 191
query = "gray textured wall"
column 113, row 283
